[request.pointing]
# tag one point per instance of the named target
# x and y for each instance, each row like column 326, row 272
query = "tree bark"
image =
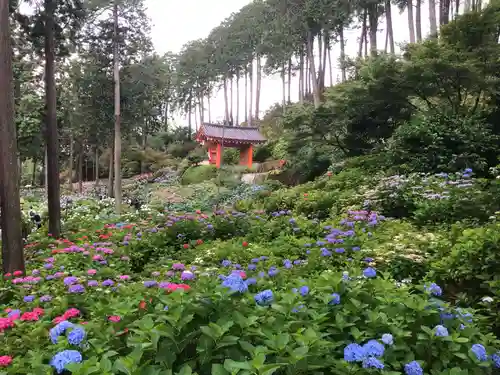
column 258, row 87
column 418, row 20
column 373, row 25
column 111, row 172
column 52, row 139
column 444, row 12
column 301, row 77
column 390, row 31
column 283, row 88
column 10, row 206
column 96, row 166
column 80, row 169
column 432, row 18
column 342, row 54
column 246, row 95
column 411, row 24
column 363, row 34
column 226, row 102
column 312, row 70
column 118, row 140
column 231, row 96
column 237, row 122
column 289, row 101
column 70, row 161
column 250, row 107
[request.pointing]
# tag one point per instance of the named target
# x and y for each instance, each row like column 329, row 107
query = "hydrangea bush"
column 230, row 293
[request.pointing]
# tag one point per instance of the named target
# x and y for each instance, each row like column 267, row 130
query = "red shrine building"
column 218, row 137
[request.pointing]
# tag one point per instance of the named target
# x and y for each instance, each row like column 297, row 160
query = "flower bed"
column 252, row 294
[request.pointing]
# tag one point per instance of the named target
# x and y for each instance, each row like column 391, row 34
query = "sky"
column 175, row 22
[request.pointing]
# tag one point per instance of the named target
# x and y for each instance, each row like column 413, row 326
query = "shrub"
column 195, row 175
column 443, row 143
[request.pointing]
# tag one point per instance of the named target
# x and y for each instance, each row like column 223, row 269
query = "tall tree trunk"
column 283, row 88
column 306, row 75
column 301, row 77
column 237, row 122
column 246, row 95
column 457, row 8
column 322, row 72
column 209, row 109
column 258, row 87
column 195, row 121
column 418, row 20
column 250, row 107
column 411, row 24
column 312, row 70
column 118, row 138
column 330, row 66
column 467, row 6
column 444, row 12
column 33, row 176
column 226, row 103
column 342, row 54
column 80, row 169
column 231, row 96
column 46, row 172
column 289, row 101
column 10, row 206
column 390, row 31
column 363, row 34
column 432, row 18
column 373, row 25
column 111, row 179
column 190, row 119
column 202, row 109
column 96, row 166
column 70, row 161
column 53, row 193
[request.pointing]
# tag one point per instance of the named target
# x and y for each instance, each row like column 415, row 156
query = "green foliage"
column 443, row 143
column 194, row 175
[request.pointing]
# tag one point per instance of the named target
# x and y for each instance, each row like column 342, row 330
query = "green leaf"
column 218, row 369
column 105, row 364
column 185, row 370
column 269, row 369
column 231, row 365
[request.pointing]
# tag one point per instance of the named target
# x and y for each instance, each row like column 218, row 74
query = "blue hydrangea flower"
column 77, row 288
column 273, row 271
column 354, row 353
column 441, row 331
column 235, row 283
column 413, row 368
column 372, row 362
column 61, row 359
column 264, row 298
column 335, row 299
column 108, row 282
column 387, row 339
column 58, row 330
column 251, row 267
column 304, row 290
column 433, row 289
column 480, row 352
column 70, row 280
column 29, row 298
column 496, row 360
column 370, row 272
column 150, row 283
column 251, row 281
column 226, row 263
column 373, row 348
column 76, row 336
column 45, row 298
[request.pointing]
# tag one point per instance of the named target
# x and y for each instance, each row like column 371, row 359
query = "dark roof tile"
column 232, row 133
